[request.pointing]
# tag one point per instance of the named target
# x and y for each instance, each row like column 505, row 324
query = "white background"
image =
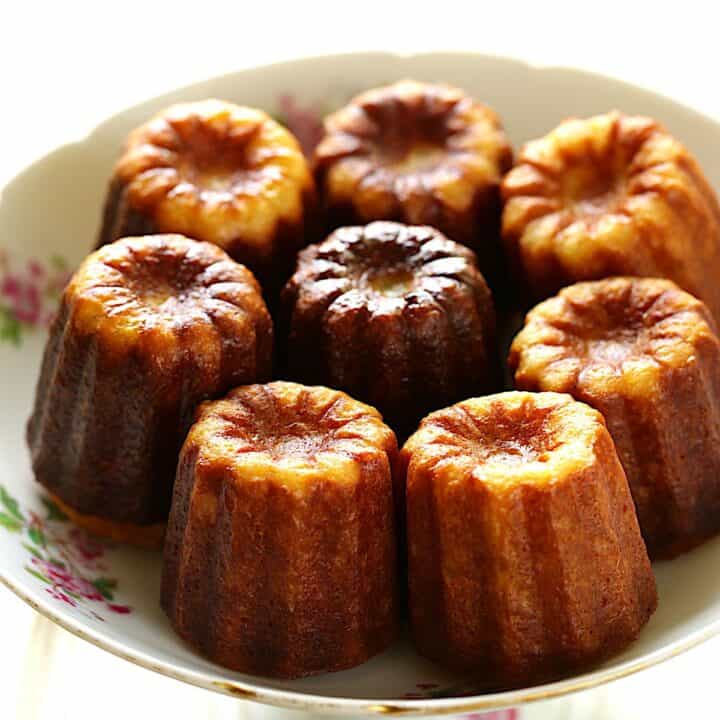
column 65, row 66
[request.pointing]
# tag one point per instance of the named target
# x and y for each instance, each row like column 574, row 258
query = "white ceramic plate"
column 109, row 596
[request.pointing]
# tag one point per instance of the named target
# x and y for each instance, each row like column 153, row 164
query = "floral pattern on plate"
column 63, row 557
column 29, row 293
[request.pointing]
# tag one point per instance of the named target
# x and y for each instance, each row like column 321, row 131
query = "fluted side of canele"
column 92, row 431
column 280, row 581
column 522, row 584
column 120, row 219
column 669, row 444
column 647, row 356
column 108, row 423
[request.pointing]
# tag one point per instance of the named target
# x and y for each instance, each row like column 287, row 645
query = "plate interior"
column 49, row 214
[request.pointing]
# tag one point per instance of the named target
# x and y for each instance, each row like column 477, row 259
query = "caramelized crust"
column 646, row 355
column 418, row 153
column 525, row 559
column 280, row 552
column 611, row 195
column 217, row 172
column 147, row 328
column 398, row 316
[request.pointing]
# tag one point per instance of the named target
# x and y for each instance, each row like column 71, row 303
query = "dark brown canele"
column 525, row 558
column 398, row 316
column 218, row 172
column 647, row 356
column 148, row 328
column 280, row 551
column 422, row 154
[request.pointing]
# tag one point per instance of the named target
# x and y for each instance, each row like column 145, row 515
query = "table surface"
column 67, row 66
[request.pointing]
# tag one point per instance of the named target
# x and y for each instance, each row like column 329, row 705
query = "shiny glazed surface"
column 398, row 316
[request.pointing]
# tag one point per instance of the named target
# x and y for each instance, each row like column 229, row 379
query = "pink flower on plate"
column 11, row 286
column 84, row 547
column 58, row 574
column 35, row 269
column 60, row 595
column 66, row 581
column 508, row 714
column 25, row 299
column 120, row 609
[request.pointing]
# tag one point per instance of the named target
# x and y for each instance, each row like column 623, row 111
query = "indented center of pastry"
column 393, row 282
column 384, row 259
column 218, row 178
column 215, row 153
column 294, row 440
column 610, row 351
column 511, row 453
column 156, row 297
column 590, row 188
column 611, row 338
column 417, row 157
column 216, row 174
column 512, row 436
column 408, row 139
column 162, row 280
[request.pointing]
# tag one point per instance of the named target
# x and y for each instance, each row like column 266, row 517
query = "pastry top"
column 414, row 145
column 288, row 433
column 616, row 334
column 217, row 172
column 163, row 296
column 590, row 199
column 387, row 267
column 508, row 440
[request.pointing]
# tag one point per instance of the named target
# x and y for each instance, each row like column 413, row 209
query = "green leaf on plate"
column 38, row 575
column 53, row 511
column 10, row 327
column 10, row 504
column 105, row 586
column 58, row 262
column 37, row 536
column 32, row 550
column 10, row 523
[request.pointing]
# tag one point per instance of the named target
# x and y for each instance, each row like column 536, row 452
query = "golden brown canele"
column 148, row 327
column 647, row 356
column 611, row 195
column 525, row 559
column 218, row 172
column 398, row 316
column 417, row 153
column 280, row 552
